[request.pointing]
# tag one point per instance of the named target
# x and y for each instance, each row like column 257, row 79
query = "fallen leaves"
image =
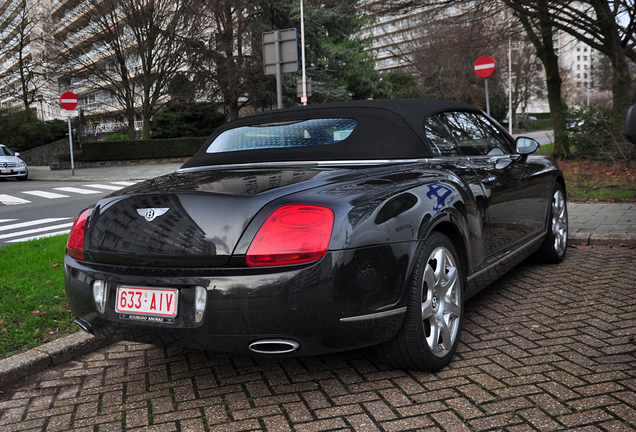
column 38, row 313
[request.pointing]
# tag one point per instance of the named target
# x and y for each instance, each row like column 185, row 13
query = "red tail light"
column 75, row 244
column 292, row 234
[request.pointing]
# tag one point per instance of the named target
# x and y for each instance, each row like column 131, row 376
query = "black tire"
column 430, row 332
column 555, row 242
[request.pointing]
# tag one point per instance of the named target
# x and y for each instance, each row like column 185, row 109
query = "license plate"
column 147, row 301
column 6, row 171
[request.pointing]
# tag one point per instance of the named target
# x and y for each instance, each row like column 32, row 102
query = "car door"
column 515, row 193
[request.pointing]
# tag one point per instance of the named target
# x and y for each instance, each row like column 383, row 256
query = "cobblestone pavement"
column 546, row 348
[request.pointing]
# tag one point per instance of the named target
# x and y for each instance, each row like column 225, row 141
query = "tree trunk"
column 544, row 46
column 130, row 114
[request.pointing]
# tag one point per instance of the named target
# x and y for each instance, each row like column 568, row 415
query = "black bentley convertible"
column 319, row 229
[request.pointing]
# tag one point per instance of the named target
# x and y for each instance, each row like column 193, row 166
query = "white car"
column 11, row 165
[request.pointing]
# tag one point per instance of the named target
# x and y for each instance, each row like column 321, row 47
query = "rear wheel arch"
column 454, row 234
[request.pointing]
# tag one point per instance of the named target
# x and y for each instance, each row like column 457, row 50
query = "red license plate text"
column 147, row 301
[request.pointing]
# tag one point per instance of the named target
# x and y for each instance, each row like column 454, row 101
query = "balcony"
column 13, row 60
column 7, row 13
column 72, row 15
column 10, row 27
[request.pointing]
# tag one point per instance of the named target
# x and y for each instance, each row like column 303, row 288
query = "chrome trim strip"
column 374, row 315
column 310, row 163
column 511, row 254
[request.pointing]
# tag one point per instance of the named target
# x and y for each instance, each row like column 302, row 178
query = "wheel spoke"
column 440, row 256
column 451, row 309
column 433, row 339
column 449, row 281
column 427, row 310
column 427, row 292
column 446, row 336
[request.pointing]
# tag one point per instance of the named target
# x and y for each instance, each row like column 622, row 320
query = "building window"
column 578, row 49
column 585, row 75
column 578, row 67
column 584, row 58
column 578, row 58
column 585, row 49
column 578, row 75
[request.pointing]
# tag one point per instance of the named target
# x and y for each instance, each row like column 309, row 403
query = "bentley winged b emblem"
column 152, row 213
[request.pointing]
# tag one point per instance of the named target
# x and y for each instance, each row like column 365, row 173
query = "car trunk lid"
column 191, row 219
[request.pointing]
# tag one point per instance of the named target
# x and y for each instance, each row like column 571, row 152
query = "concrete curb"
column 16, row 367
column 609, row 239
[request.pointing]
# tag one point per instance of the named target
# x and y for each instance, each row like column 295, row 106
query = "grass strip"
column 33, row 308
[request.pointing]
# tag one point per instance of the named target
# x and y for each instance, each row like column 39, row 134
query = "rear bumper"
column 347, row 300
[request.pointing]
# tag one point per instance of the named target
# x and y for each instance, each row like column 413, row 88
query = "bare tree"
column 28, row 48
column 528, row 81
column 606, row 26
column 142, row 46
column 228, row 61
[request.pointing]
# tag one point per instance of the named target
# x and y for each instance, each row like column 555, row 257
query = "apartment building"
column 75, row 32
column 24, row 42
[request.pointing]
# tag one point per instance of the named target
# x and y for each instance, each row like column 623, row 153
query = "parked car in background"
column 11, row 166
column 320, row 229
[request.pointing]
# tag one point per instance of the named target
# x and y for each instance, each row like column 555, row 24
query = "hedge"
column 140, row 149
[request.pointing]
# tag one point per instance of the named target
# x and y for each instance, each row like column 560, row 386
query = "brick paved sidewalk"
column 546, row 348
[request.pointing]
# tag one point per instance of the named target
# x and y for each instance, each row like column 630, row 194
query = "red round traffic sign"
column 484, row 66
column 68, row 100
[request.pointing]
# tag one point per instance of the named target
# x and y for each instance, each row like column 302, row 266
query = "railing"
column 11, row 26
column 75, row 13
column 8, row 11
column 106, row 127
column 80, row 35
column 14, row 59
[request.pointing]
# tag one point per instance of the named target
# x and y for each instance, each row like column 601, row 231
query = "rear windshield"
column 300, row 133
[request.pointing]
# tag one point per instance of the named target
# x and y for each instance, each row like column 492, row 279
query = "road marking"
column 11, row 200
column 39, row 236
column 77, row 190
column 124, row 183
column 44, row 194
column 37, row 230
column 7, row 220
column 107, row 187
column 31, row 223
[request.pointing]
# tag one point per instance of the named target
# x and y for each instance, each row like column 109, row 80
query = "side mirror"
column 17, row 154
column 630, row 124
column 526, row 146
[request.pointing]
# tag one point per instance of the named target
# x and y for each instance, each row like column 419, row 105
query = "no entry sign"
column 484, row 66
column 68, row 100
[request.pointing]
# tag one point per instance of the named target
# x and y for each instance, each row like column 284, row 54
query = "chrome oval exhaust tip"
column 274, row 346
column 84, row 325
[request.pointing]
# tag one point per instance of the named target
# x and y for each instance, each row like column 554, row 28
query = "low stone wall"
column 48, row 154
column 64, row 165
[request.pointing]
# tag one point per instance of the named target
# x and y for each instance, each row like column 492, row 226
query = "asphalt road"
column 546, row 348
column 39, row 208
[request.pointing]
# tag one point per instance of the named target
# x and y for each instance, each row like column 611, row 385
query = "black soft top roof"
column 387, row 129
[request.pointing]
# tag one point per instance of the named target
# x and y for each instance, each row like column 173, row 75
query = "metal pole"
column 302, row 50
column 70, row 140
column 509, row 85
column 279, row 74
column 487, row 101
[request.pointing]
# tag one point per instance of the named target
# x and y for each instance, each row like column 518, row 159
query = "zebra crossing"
column 14, row 232
column 25, row 197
